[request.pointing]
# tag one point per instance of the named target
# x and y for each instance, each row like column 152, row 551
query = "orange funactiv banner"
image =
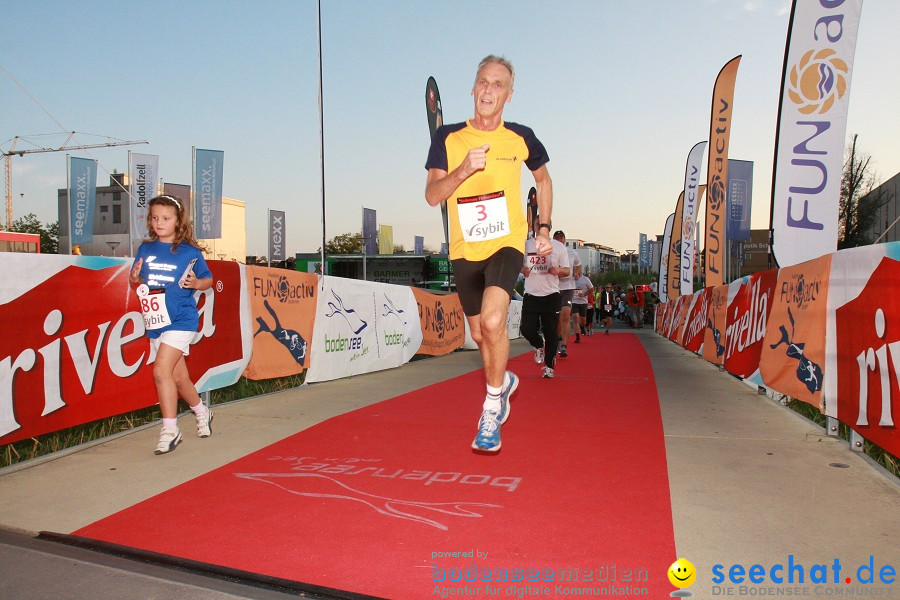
column 283, row 304
column 716, row 321
column 442, row 320
column 793, row 353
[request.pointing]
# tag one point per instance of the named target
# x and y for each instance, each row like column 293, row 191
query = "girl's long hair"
column 184, row 231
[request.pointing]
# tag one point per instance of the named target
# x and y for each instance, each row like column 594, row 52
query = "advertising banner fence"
column 68, row 361
column 826, row 332
column 362, row 327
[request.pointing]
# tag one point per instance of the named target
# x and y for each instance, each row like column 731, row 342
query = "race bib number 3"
column 483, row 217
column 153, row 307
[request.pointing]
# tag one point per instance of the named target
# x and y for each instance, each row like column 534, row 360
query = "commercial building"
column 596, row 259
column 887, row 217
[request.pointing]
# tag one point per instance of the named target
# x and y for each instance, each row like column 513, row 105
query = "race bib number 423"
column 483, row 217
column 153, row 307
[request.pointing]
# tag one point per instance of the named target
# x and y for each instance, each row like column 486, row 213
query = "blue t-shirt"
column 162, row 269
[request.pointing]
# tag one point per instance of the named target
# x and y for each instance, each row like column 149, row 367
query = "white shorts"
column 180, row 340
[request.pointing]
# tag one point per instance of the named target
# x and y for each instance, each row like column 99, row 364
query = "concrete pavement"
column 751, row 483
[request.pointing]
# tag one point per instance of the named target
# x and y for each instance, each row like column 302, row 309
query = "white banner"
column 811, row 129
column 513, row 321
column 361, row 327
column 664, row 260
column 689, row 216
column 143, row 172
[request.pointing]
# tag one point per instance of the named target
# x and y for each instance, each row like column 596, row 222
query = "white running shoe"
column 204, row 423
column 169, row 438
column 548, row 373
column 539, row 355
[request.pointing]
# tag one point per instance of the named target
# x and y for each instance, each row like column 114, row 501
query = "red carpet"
column 389, row 498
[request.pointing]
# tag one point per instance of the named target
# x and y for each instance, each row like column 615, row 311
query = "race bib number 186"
column 153, row 307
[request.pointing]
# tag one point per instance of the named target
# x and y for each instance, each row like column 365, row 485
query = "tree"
column 346, row 243
column 49, row 233
column 856, row 215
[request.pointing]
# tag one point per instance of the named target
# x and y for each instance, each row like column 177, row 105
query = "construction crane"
column 7, row 155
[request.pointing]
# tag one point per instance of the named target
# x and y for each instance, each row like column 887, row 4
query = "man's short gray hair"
column 500, row 60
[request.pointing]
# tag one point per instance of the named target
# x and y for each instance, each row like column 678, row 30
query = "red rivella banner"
column 748, row 312
column 676, row 322
column 696, row 322
column 867, row 340
column 74, row 350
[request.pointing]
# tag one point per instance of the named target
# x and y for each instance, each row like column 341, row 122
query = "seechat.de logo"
column 817, row 81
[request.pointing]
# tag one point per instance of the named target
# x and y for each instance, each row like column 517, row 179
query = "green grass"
column 67, row 438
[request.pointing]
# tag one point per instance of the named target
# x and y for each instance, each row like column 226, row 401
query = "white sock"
column 199, row 409
column 492, row 400
column 170, row 423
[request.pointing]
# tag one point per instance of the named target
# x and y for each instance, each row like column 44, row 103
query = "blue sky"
column 618, row 92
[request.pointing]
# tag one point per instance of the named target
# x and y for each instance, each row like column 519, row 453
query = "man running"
column 476, row 168
column 583, row 289
column 540, row 306
column 606, row 304
column 566, row 293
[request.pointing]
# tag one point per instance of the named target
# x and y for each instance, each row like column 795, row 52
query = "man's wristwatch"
column 547, row 225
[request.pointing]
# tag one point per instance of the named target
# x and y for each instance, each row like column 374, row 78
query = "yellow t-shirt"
column 485, row 212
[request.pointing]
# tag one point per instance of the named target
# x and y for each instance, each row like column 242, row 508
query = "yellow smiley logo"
column 682, row 573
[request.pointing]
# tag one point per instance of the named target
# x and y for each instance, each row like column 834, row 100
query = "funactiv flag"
column 717, row 173
column 689, row 216
column 674, row 250
column 664, row 260
column 812, row 123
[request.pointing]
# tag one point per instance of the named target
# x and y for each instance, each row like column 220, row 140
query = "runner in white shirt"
column 583, row 288
column 566, row 291
column 540, row 308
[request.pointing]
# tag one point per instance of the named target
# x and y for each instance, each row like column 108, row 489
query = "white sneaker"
column 548, row 373
column 169, row 438
column 204, row 423
column 539, row 355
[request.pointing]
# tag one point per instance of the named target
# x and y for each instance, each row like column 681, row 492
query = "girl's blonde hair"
column 184, row 231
